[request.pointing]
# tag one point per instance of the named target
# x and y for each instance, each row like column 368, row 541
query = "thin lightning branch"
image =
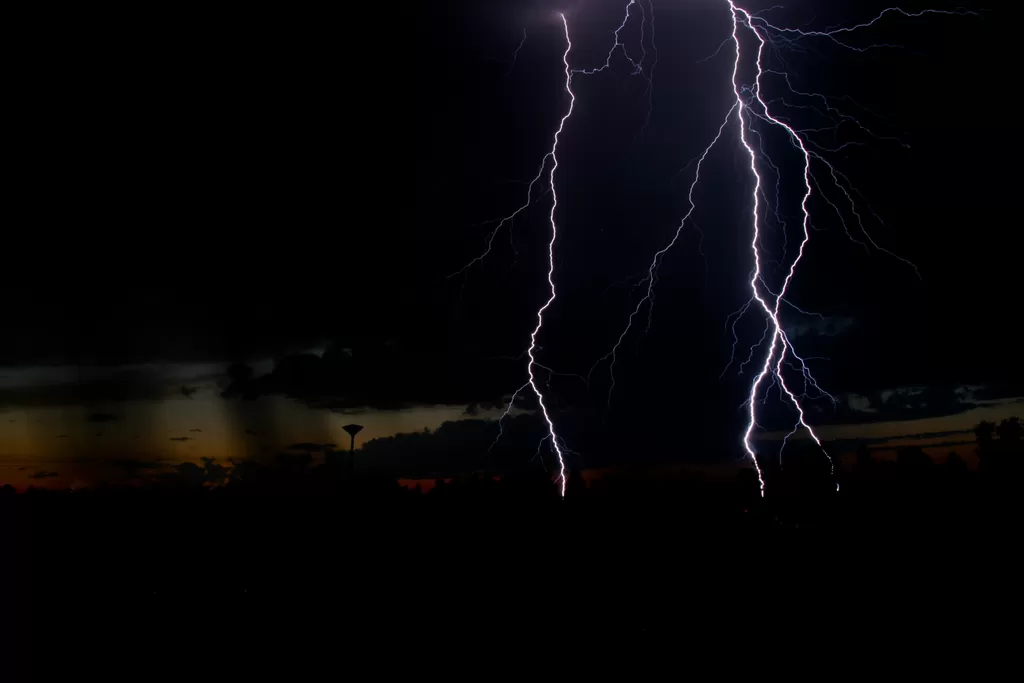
column 735, row 316
column 781, row 224
column 650, row 71
column 515, row 55
column 831, row 34
column 638, row 66
column 652, row 272
column 554, row 373
column 501, row 420
column 715, row 53
column 643, row 22
column 507, row 219
column 755, row 347
column 536, row 456
column 853, row 209
column 831, row 112
column 812, row 314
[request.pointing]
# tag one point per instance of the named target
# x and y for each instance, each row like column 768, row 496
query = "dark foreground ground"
column 234, row 586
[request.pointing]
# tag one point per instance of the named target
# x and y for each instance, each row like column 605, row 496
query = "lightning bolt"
column 651, row 278
column 638, row 65
column 750, row 104
column 532, row 364
column 555, row 441
column 750, row 107
column 779, row 343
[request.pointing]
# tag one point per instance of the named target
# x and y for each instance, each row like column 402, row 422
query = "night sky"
column 236, row 233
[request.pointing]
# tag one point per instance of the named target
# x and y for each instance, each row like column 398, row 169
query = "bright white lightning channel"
column 770, row 302
column 552, row 436
column 557, row 445
column 749, row 104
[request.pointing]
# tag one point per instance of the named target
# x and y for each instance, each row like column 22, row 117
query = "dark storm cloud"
column 455, row 447
column 78, row 393
column 893, row 443
column 42, row 475
column 1004, row 390
column 931, row 435
column 385, row 376
column 952, row 443
column 182, row 438
column 65, row 385
column 827, row 326
column 97, row 324
column 905, row 403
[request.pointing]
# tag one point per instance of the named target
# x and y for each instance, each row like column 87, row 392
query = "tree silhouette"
column 955, row 464
column 983, row 432
column 1009, row 432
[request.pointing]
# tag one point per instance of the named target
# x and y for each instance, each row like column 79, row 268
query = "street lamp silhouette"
column 352, row 431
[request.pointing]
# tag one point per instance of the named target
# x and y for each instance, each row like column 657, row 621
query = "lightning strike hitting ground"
column 750, row 105
column 778, row 339
column 556, row 443
column 770, row 302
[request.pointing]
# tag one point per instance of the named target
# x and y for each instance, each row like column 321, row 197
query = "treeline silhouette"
column 803, row 489
column 303, row 549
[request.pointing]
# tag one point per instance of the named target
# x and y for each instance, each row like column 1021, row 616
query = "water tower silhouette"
column 352, row 430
